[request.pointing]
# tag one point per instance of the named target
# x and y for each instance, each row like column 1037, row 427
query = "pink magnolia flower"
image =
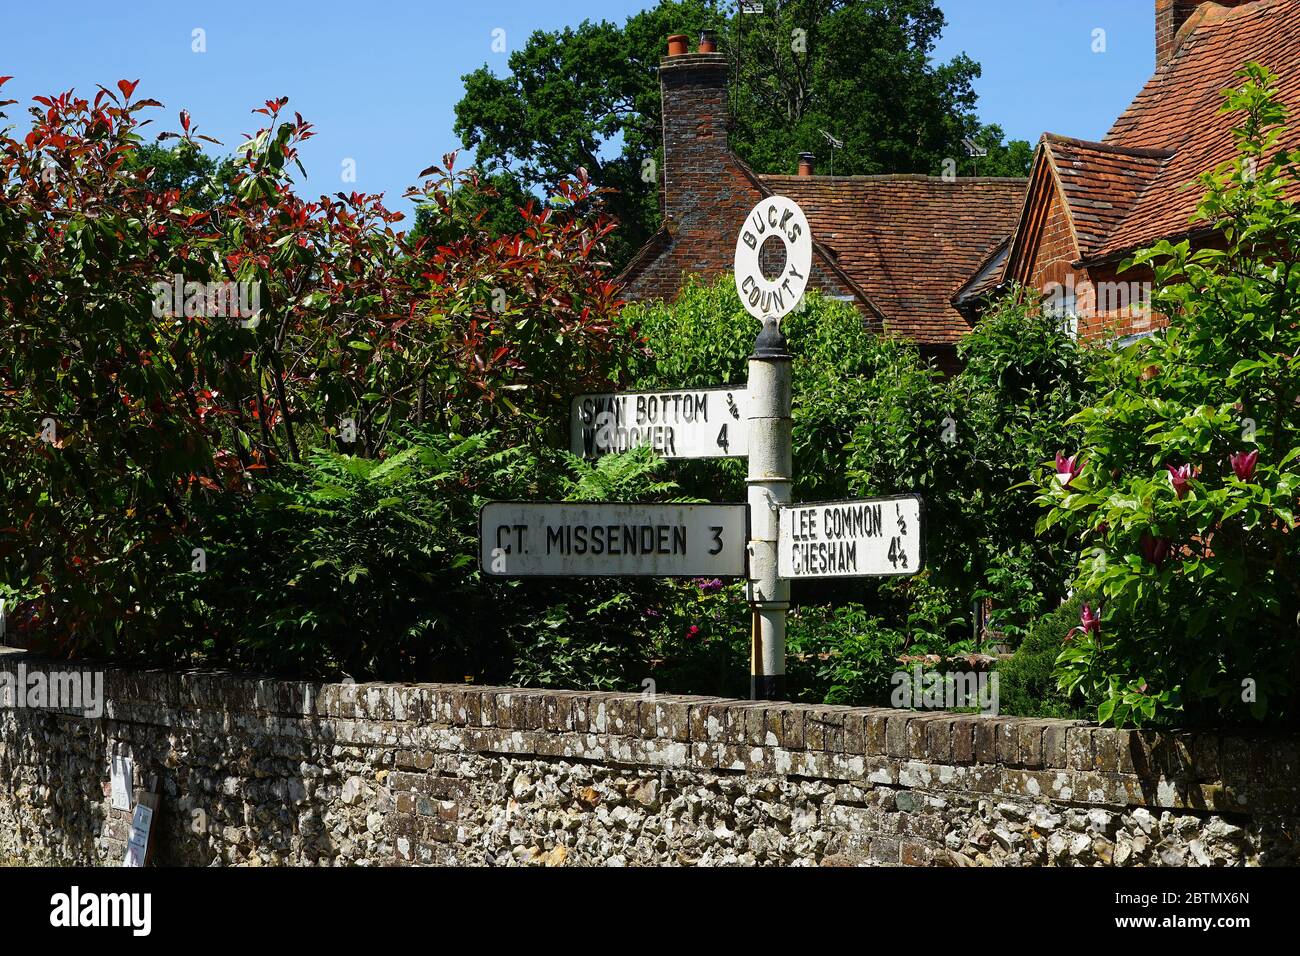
column 1155, row 550
column 1089, row 622
column 1243, row 464
column 1067, row 469
column 1180, row 477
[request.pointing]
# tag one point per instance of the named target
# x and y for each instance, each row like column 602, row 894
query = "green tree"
column 859, row 70
column 862, row 71
column 203, row 181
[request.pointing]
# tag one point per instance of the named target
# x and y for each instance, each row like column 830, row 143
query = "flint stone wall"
column 265, row 772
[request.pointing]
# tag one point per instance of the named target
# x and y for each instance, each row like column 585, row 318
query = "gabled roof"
column 908, row 240
column 1133, row 189
column 1101, row 184
column 986, row 279
column 1178, row 109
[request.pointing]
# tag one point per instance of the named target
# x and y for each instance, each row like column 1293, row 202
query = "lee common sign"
column 696, row 423
column 880, row 537
column 518, row 539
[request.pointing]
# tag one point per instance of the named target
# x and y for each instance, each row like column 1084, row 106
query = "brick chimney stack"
column 1172, row 15
column 693, row 87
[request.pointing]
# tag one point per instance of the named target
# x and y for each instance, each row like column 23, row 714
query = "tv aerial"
column 975, row 151
column 834, row 145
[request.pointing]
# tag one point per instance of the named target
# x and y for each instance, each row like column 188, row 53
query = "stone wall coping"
column 1215, row 769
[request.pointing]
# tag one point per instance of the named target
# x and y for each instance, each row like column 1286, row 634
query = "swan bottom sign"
column 695, row 423
column 879, row 537
column 609, row 539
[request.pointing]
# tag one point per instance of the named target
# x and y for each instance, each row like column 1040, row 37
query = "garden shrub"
column 1027, row 684
column 1180, row 498
column 142, row 439
column 872, row 418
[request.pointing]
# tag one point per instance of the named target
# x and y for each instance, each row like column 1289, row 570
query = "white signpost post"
column 879, row 537
column 693, row 423
column 769, row 541
column 593, row 539
column 771, row 461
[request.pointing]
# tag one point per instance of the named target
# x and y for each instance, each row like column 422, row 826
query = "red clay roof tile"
column 908, row 241
column 1178, row 111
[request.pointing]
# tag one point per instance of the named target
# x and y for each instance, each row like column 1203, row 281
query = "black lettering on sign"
column 805, row 525
column 614, row 539
column 852, row 521
column 825, row 557
column 593, row 407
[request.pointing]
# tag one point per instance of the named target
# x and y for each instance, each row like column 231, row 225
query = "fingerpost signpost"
column 696, row 423
column 767, row 540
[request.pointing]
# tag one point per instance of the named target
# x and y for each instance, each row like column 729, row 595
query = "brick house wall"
column 1109, row 303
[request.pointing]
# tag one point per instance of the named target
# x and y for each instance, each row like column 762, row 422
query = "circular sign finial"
column 773, row 298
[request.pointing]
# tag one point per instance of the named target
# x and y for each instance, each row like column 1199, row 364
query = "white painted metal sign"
column 691, row 423
column 522, row 539
column 878, row 537
column 121, row 774
column 762, row 297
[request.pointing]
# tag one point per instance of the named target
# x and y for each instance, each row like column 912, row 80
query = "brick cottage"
column 921, row 256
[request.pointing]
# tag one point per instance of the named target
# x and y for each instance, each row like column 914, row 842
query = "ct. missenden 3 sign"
column 607, row 539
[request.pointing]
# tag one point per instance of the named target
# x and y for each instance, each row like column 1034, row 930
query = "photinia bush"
column 159, row 359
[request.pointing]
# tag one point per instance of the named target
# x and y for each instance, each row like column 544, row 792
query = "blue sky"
column 380, row 79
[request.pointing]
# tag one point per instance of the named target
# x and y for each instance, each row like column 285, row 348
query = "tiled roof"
column 908, row 241
column 986, row 278
column 1101, row 183
column 1178, row 111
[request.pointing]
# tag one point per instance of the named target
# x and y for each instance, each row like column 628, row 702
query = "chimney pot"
column 696, row 157
column 807, row 162
column 677, row 44
column 708, row 41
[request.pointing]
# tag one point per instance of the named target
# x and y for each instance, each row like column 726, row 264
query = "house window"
column 1064, row 308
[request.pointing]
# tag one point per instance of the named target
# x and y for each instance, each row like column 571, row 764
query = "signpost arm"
column 770, row 466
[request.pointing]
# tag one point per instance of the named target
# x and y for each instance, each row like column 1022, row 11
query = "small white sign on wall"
column 123, row 771
column 137, row 847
